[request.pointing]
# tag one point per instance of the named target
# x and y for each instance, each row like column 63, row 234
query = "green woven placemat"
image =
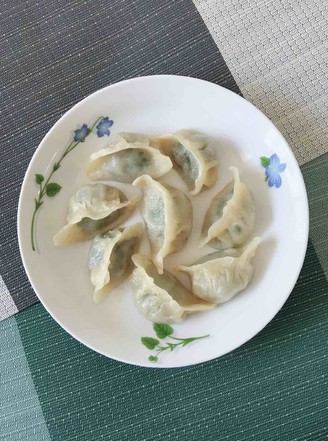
column 272, row 388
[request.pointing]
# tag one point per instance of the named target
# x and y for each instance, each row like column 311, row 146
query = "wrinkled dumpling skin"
column 161, row 298
column 219, row 276
column 167, row 213
column 93, row 210
column 230, row 219
column 127, row 156
column 110, row 258
column 193, row 156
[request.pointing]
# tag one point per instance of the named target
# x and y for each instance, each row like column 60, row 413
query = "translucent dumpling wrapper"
column 161, row 298
column 126, row 157
column 229, row 221
column 94, row 209
column 167, row 213
column 110, row 258
column 219, row 276
column 193, row 156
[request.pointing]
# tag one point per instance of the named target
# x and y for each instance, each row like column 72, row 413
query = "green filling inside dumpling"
column 122, row 257
column 92, row 225
column 129, row 163
column 188, row 164
column 217, row 214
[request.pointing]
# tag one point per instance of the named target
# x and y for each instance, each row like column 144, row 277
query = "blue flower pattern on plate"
column 81, row 134
column 273, row 168
column 50, row 189
column 104, row 126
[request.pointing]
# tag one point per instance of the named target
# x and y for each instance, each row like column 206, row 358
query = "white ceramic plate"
column 157, row 105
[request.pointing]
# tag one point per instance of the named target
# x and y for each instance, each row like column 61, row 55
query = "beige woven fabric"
column 7, row 305
column 277, row 53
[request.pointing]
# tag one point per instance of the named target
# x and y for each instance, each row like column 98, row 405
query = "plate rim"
column 161, row 77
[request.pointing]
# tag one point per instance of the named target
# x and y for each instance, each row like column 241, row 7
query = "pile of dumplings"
column 97, row 211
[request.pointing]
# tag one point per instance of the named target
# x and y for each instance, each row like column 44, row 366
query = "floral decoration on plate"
column 164, row 331
column 50, row 189
column 273, row 168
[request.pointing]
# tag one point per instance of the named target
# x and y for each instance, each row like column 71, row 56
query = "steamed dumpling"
column 93, row 210
column 193, row 156
column 219, row 276
column 127, row 156
column 110, row 258
column 161, row 298
column 230, row 219
column 167, row 213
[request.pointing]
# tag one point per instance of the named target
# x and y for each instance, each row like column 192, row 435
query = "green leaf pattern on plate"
column 164, row 331
column 51, row 189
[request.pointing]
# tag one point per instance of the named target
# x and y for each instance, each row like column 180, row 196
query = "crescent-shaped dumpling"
column 110, row 258
column 94, row 209
column 219, row 276
column 162, row 298
column 127, row 156
column 230, row 219
column 167, row 213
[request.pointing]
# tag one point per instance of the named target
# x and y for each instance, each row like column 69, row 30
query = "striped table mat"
column 275, row 55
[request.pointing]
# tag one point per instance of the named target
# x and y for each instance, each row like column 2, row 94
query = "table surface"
column 275, row 55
